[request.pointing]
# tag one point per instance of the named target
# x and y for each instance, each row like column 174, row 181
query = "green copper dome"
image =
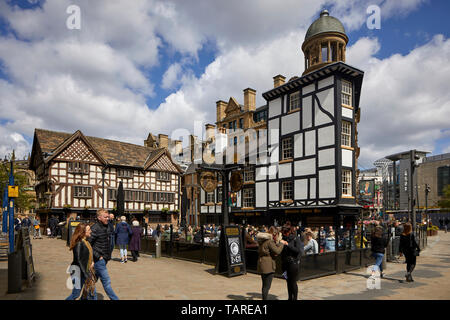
column 324, row 24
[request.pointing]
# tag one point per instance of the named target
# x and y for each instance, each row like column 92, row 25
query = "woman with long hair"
column 268, row 249
column 379, row 243
column 83, row 259
column 290, row 257
column 410, row 248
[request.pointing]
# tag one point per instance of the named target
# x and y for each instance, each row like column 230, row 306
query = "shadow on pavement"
column 251, row 296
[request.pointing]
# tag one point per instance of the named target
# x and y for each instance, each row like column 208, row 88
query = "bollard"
column 15, row 271
column 158, row 247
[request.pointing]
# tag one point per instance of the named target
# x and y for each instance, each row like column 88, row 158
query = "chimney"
column 178, row 147
column 278, row 80
column 163, row 141
column 220, row 107
column 209, row 128
column 192, row 146
column 249, row 99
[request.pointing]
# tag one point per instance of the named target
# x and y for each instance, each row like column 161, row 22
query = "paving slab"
column 173, row 279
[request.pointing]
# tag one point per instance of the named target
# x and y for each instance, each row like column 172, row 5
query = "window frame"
column 296, row 106
column 84, row 189
column 248, row 201
column 346, row 137
column 347, row 183
column 346, row 92
column 289, row 151
column 283, row 190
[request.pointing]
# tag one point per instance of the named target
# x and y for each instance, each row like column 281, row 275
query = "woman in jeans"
column 379, row 244
column 410, row 248
column 83, row 260
column 123, row 233
column 267, row 251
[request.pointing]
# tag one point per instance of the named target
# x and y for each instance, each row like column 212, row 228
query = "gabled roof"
column 112, row 152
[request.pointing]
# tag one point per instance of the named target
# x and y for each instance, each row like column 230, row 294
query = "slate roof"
column 113, row 152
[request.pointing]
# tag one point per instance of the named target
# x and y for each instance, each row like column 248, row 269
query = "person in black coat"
column 290, row 257
column 410, row 248
column 101, row 245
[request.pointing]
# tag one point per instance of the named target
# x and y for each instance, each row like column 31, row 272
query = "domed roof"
column 325, row 23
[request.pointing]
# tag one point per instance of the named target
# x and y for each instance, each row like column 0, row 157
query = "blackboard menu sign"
column 28, row 256
column 231, row 259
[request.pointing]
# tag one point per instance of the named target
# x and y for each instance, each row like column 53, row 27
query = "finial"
column 324, row 13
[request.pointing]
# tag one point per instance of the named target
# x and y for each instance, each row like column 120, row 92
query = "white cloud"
column 96, row 79
column 172, row 76
column 405, row 102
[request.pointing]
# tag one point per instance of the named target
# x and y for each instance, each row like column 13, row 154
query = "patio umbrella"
column 120, row 201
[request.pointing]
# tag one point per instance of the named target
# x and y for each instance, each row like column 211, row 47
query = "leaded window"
column 346, row 93
column 346, row 134
column 346, row 182
column 248, row 198
column 286, row 190
column 287, row 149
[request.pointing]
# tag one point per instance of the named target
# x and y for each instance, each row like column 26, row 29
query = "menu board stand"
column 231, row 256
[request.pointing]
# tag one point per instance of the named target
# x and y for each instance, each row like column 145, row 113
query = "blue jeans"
column 76, row 292
column 379, row 260
column 102, row 273
column 123, row 251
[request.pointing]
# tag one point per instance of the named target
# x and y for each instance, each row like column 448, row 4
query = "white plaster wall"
column 326, row 157
column 298, row 145
column 326, row 136
column 310, row 143
column 346, row 112
column 327, row 181
column 273, row 131
column 326, row 99
column 307, row 112
column 260, row 196
column 274, row 107
column 312, row 188
column 273, row 191
column 285, row 170
column 347, row 158
column 290, row 123
column 305, row 167
column 301, row 189
column 326, row 82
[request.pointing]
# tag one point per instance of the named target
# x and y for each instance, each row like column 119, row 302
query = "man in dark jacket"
column 101, row 246
column 290, row 257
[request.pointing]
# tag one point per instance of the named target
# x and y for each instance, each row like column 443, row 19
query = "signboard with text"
column 231, row 259
column 13, row 191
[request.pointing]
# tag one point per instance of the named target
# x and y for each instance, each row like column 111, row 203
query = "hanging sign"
column 236, row 181
column 13, row 191
column 208, row 181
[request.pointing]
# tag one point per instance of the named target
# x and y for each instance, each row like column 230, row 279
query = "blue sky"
column 158, row 66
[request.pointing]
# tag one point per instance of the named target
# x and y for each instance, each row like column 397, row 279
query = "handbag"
column 89, row 285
